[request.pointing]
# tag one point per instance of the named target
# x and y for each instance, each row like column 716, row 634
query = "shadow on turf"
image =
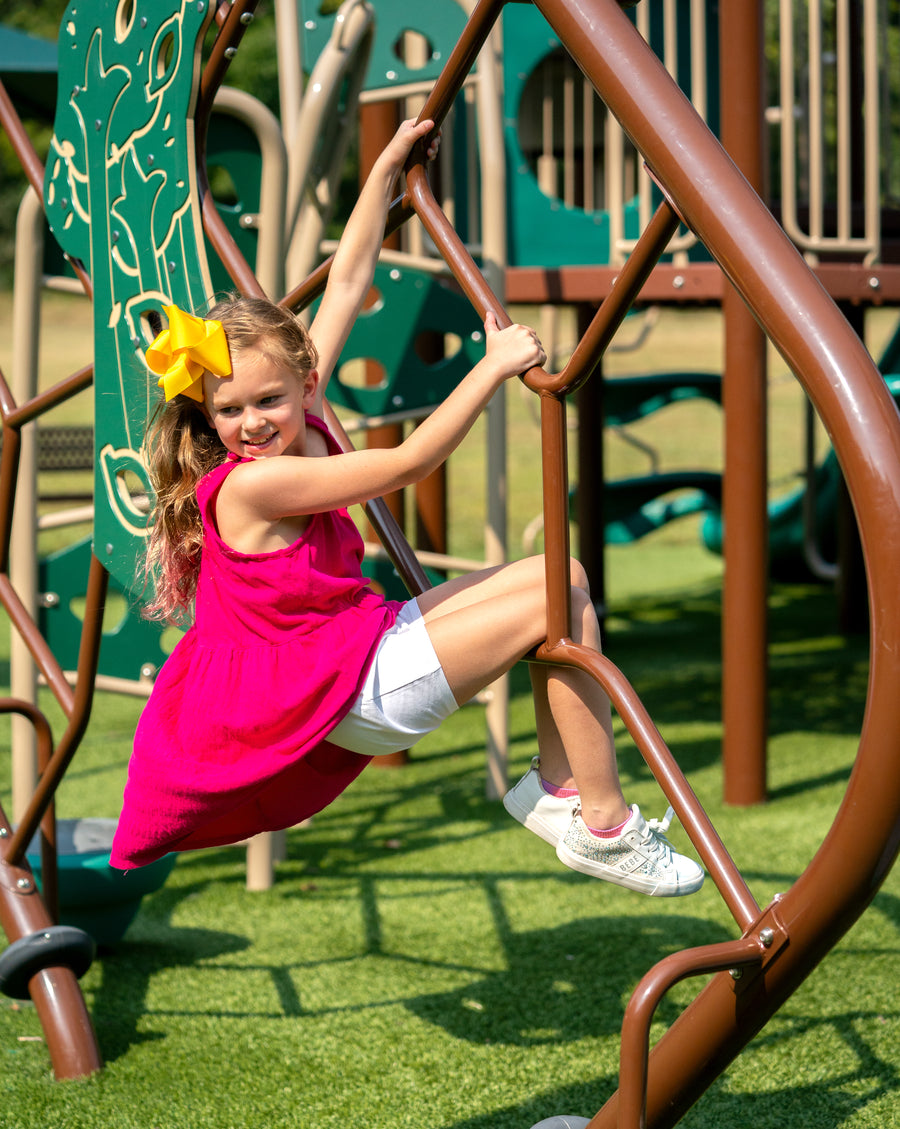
column 563, row 983
column 120, row 1000
column 816, row 1105
column 670, row 650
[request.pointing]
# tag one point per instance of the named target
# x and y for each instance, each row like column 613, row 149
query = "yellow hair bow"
column 182, row 353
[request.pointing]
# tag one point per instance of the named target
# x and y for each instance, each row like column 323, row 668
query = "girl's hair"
column 182, row 447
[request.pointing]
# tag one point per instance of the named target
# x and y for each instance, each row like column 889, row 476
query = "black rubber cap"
column 58, row 945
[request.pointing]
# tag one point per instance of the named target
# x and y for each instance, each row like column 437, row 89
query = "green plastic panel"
column 439, row 22
column 393, row 333
column 543, row 231
column 120, row 196
column 128, row 642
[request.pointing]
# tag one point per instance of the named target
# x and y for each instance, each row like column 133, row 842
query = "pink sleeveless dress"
column 233, row 739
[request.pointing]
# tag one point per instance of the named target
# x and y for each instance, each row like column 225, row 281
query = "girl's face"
column 260, row 410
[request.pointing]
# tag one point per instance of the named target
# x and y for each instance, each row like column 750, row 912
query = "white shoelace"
column 660, row 827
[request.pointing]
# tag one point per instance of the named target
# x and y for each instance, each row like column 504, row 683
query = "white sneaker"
column 545, row 815
column 641, row 858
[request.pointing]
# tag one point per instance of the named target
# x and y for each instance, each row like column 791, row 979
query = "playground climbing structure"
column 747, row 979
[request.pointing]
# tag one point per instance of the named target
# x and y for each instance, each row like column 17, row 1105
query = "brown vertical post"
column 744, row 632
column 377, row 125
column 431, row 492
column 591, row 523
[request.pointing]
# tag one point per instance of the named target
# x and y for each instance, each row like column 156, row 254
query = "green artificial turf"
column 423, row 961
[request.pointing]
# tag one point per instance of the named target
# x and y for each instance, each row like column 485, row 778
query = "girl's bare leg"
column 482, row 624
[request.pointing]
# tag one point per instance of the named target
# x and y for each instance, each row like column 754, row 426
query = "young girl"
column 294, row 672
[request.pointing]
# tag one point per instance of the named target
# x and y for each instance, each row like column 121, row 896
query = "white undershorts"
column 405, row 695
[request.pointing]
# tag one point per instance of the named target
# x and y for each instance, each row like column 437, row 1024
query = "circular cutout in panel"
column 414, row 49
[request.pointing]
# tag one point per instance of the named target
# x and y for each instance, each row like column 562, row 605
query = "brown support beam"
column 744, row 631
column 378, row 123
column 590, row 504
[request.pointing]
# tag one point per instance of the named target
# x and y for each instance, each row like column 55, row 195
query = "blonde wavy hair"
column 181, row 447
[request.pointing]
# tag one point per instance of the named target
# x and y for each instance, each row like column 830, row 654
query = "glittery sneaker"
column 641, row 858
column 545, row 815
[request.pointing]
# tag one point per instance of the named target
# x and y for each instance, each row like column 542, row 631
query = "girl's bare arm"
column 354, row 262
column 270, row 489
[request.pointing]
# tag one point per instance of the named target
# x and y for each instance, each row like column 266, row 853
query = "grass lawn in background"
column 424, row 961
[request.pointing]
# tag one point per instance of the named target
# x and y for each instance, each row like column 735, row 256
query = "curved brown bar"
column 64, row 1017
column 736, row 956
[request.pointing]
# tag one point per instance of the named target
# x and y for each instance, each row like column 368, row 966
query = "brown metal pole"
column 88, row 657
column 591, row 478
column 377, row 125
column 71, row 1041
column 65, row 1021
column 744, row 493
column 554, row 464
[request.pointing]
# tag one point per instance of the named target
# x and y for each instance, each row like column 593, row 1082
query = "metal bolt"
column 23, row 883
column 109, row 548
column 247, row 18
column 172, row 266
column 4, row 832
column 767, row 936
column 98, row 124
column 678, row 281
column 874, row 283
column 737, row 974
column 230, row 52
column 50, row 600
column 150, row 160
column 148, row 670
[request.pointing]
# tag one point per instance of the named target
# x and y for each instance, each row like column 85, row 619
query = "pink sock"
column 560, row 793
column 612, row 833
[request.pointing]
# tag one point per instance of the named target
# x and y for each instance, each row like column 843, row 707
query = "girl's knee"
column 578, row 577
